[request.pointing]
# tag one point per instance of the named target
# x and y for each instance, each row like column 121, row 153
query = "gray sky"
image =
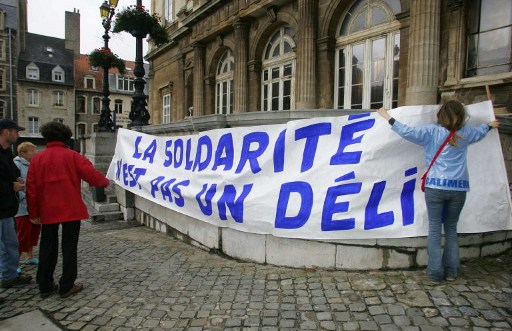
column 46, row 17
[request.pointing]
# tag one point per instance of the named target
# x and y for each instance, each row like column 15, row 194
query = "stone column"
column 198, row 79
column 100, row 150
column 326, row 54
column 306, row 61
column 209, row 87
column 240, row 72
column 255, row 85
column 179, row 101
column 423, row 67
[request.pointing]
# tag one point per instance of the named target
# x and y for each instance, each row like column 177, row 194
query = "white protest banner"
column 347, row 177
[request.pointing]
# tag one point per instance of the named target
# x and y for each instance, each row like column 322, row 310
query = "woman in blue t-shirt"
column 447, row 181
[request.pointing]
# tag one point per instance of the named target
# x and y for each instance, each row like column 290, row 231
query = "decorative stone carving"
column 271, row 13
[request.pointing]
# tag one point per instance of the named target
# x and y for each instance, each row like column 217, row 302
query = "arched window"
column 278, row 75
column 224, row 84
column 367, row 56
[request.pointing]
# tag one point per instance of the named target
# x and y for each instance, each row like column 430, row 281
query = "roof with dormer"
column 46, row 53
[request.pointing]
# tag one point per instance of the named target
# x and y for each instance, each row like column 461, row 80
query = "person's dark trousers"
column 49, row 251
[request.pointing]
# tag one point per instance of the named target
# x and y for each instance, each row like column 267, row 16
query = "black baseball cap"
column 9, row 124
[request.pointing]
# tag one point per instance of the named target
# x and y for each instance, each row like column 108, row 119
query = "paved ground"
column 136, row 278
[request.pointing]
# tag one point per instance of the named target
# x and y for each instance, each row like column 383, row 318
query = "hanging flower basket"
column 137, row 21
column 103, row 57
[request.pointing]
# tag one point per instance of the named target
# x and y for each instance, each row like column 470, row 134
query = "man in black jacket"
column 10, row 184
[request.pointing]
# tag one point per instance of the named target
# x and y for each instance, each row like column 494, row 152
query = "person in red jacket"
column 54, row 199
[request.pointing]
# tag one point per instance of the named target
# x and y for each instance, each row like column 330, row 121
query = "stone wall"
column 369, row 254
column 301, row 253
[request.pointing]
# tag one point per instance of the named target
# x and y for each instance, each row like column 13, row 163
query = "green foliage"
column 137, row 21
column 103, row 57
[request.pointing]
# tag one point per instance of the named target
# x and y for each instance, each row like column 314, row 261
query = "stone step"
column 111, row 198
column 107, row 216
column 106, row 207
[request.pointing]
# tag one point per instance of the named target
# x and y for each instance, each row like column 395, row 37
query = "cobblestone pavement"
column 136, row 278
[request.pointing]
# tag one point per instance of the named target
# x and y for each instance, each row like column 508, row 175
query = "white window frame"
column 32, row 71
column 280, row 63
column 366, row 37
column 166, row 108
column 58, row 74
column 33, row 97
column 168, row 11
column 118, row 106
column 87, row 79
column 125, row 83
column 224, row 84
column 58, row 99
column 492, row 64
column 33, row 124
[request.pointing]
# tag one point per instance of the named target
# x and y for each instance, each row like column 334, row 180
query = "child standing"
column 27, row 232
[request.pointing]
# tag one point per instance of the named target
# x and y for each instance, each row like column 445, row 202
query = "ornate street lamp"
column 106, row 124
column 137, row 21
column 139, row 115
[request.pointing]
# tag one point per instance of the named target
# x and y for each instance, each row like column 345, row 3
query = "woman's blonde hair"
column 452, row 116
column 25, row 147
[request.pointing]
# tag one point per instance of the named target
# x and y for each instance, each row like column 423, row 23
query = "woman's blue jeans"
column 443, row 208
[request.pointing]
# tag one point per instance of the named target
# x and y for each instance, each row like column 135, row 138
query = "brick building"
column 89, row 94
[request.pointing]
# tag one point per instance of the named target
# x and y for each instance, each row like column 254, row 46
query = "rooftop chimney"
column 72, row 38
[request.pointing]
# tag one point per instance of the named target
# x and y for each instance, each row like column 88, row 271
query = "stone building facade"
column 261, row 55
column 45, row 85
column 234, row 63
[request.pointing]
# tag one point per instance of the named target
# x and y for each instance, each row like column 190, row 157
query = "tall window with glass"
column 166, row 108
column 278, row 74
column 367, row 56
column 489, row 49
column 224, row 84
